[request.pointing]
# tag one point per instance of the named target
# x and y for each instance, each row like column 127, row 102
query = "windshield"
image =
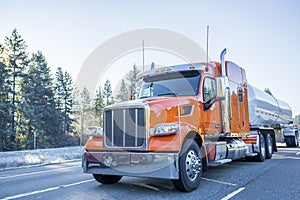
column 171, row 84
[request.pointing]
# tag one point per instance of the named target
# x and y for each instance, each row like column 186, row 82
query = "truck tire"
column 269, row 146
column 292, row 141
column 107, row 179
column 190, row 167
column 262, row 146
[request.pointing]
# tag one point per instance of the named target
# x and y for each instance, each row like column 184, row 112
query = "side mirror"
column 222, row 83
column 209, row 103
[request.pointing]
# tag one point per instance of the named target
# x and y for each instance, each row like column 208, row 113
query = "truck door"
column 212, row 108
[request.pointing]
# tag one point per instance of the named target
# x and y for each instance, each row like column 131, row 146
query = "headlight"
column 165, row 129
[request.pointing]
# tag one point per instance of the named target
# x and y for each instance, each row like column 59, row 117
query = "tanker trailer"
column 267, row 111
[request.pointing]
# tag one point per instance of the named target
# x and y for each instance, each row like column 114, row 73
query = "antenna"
column 207, row 33
column 143, row 56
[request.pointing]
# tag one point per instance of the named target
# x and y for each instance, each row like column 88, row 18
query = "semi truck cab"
column 187, row 117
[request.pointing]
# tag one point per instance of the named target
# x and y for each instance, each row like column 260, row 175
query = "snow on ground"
column 40, row 156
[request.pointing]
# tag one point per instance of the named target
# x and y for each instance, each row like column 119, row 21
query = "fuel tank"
column 266, row 110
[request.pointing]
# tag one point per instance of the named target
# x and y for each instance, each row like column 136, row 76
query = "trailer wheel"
column 269, row 146
column 292, row 141
column 190, row 167
column 107, row 179
column 262, row 146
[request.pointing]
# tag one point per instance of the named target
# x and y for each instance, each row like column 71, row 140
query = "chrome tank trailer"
column 266, row 110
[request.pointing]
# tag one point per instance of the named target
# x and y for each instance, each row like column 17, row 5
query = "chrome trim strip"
column 112, row 128
column 147, row 124
column 136, row 126
column 179, row 124
column 124, row 127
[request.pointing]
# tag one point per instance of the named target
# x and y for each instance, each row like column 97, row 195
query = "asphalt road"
column 278, row 178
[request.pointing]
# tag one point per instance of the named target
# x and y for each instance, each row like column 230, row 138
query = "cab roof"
column 175, row 68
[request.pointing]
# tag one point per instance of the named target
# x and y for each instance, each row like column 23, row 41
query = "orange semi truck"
column 187, row 117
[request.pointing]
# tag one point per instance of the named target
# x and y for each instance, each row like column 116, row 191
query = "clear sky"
column 263, row 36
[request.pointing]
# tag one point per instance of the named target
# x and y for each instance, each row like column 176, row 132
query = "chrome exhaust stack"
column 226, row 105
column 222, row 58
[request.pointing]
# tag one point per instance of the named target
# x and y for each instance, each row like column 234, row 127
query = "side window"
column 209, row 88
column 240, row 94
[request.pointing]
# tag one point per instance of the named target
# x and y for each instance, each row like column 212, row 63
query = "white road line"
column 30, row 193
column 229, row 196
column 216, row 181
column 45, row 190
column 298, row 153
column 286, row 157
column 37, row 172
column 78, row 183
column 291, row 151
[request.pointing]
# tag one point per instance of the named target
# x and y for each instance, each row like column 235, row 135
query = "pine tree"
column 134, row 78
column 16, row 61
column 88, row 114
column 68, row 101
column 38, row 103
column 64, row 89
column 58, row 98
column 123, row 92
column 99, row 105
column 107, row 93
column 77, row 111
column 5, row 107
column 85, row 99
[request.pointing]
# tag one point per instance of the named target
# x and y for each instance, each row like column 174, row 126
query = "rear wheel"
column 190, row 167
column 269, row 146
column 107, row 179
column 262, row 147
column 291, row 141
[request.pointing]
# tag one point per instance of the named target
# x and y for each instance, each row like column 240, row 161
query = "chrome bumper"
column 154, row 165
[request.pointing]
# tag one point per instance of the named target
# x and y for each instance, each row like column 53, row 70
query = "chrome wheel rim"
column 192, row 165
column 270, row 145
column 262, row 148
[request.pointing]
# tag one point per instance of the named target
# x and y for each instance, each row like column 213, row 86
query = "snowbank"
column 39, row 156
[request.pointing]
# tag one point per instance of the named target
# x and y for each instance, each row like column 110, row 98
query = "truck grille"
column 125, row 127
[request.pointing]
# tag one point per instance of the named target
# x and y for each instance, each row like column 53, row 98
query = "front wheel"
column 190, row 167
column 107, row 179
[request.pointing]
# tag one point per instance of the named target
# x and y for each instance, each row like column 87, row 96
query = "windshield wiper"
column 167, row 94
column 144, row 97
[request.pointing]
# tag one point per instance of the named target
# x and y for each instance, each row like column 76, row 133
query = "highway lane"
column 277, row 178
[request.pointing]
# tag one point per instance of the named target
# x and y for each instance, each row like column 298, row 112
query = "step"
column 218, row 162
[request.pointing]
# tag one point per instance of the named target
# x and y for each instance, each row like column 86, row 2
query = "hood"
column 161, row 109
column 168, row 109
